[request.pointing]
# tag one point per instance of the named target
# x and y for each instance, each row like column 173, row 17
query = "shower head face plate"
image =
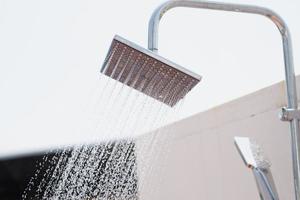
column 148, row 72
column 251, row 153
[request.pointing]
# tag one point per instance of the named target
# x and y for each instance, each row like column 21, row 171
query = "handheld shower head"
column 254, row 158
column 251, row 153
column 148, row 72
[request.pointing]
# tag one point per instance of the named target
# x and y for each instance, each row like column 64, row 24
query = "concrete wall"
column 196, row 159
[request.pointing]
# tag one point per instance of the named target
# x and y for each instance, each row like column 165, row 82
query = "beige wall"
column 196, row 159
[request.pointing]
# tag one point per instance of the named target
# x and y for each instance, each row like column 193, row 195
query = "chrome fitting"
column 288, row 114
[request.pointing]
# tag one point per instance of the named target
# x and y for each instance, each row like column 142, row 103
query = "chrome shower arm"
column 163, row 8
column 288, row 60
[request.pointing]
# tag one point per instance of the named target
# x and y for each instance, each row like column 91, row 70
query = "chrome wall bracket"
column 288, row 114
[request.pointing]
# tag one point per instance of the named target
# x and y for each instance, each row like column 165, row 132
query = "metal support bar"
column 288, row 59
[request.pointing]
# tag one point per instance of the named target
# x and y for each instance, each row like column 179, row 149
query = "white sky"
column 51, row 53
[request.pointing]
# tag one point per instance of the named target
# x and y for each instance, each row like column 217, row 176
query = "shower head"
column 148, row 72
column 255, row 159
column 251, row 153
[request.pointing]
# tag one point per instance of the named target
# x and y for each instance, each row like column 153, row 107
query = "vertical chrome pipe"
column 287, row 50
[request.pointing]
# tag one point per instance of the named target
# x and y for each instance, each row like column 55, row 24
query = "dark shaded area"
column 28, row 177
column 15, row 173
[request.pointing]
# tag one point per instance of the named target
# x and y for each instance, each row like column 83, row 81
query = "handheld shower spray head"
column 251, row 153
column 254, row 158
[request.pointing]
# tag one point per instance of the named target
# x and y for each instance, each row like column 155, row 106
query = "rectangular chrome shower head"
column 148, row 72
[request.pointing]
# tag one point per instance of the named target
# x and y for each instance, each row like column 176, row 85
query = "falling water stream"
column 107, row 169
